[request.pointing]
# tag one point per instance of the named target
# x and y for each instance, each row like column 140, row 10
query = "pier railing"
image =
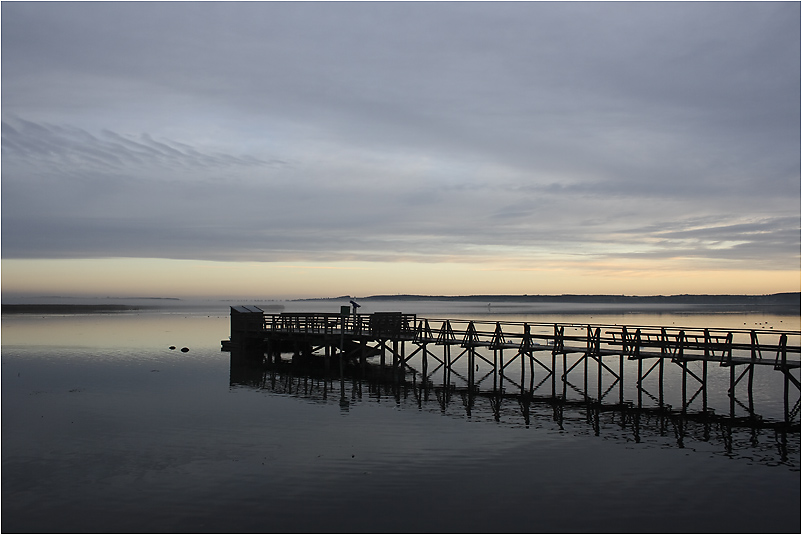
column 725, row 346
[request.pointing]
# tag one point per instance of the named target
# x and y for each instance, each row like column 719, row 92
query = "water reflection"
column 750, row 438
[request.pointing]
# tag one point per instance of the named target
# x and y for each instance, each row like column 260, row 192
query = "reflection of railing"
column 758, row 439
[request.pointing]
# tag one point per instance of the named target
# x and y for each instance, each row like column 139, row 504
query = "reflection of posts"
column 679, row 426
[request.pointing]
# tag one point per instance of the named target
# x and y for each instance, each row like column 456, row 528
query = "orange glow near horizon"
column 127, row 277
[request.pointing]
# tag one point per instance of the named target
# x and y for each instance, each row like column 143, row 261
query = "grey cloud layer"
column 385, row 131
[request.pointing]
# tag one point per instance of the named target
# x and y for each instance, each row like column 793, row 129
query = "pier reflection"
column 561, row 407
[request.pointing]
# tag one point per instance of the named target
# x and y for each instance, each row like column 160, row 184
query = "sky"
column 318, row 149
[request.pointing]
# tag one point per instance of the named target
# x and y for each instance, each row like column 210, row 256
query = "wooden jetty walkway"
column 464, row 348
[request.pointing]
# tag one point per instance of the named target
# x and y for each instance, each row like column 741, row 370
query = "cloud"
column 73, row 148
column 415, row 131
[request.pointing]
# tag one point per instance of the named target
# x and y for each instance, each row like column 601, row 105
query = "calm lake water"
column 105, row 429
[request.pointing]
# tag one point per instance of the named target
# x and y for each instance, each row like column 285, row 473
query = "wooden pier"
column 477, row 354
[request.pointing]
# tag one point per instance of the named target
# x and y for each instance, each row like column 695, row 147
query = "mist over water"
column 106, row 429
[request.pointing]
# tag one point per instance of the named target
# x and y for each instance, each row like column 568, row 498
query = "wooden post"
column 447, row 369
column 704, row 386
column 599, row 378
column 425, row 362
column 704, row 370
column 749, row 390
column 470, row 368
column 732, row 390
column 523, row 360
column 587, row 354
column 621, row 380
column 663, row 355
column 755, row 351
column 495, row 369
column 343, row 400
column 640, row 383
column 553, row 373
column 783, row 342
column 681, row 354
column 684, row 385
column 501, row 368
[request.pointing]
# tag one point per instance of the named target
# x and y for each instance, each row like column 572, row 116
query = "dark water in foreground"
column 104, row 429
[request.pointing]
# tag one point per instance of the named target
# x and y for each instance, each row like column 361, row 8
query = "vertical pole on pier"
column 783, row 343
column 343, row 399
column 558, row 341
column 501, row 368
column 640, row 383
column 425, row 362
column 472, row 362
column 728, row 355
column 704, row 370
column 624, row 349
column 660, row 376
column 663, row 355
column 755, row 351
column 684, row 385
column 588, row 349
column 732, row 390
column 447, row 369
column 470, row 372
column 523, row 355
column 704, row 386
column 621, row 380
column 749, row 386
column 598, row 356
column 681, row 355
column 585, row 384
column 495, row 369
column 523, row 373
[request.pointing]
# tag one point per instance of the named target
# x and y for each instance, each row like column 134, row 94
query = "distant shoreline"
column 766, row 299
column 787, row 302
column 67, row 309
